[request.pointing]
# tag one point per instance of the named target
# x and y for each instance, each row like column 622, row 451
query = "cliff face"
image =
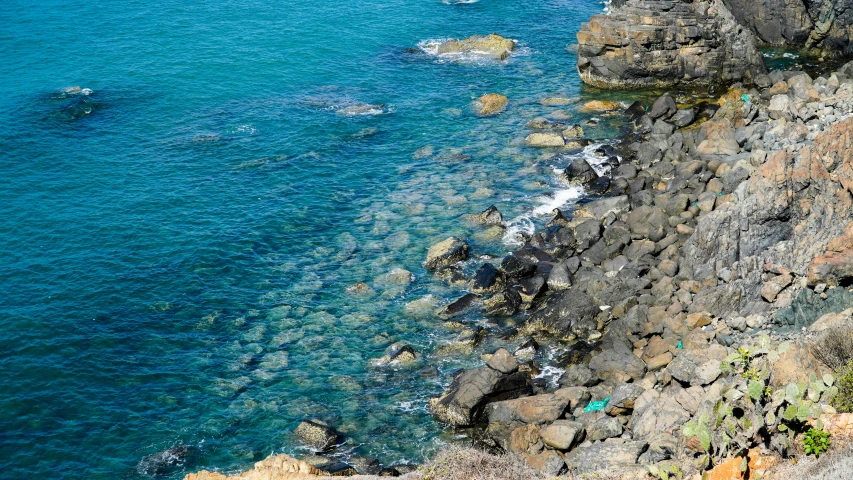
column 664, row 43
column 821, row 25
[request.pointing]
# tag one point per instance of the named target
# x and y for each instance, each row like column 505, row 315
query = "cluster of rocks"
column 667, row 286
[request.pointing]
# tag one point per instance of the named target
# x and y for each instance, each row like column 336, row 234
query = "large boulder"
column 606, row 457
column 656, row 412
column 565, row 313
column 699, row 366
column 508, row 415
column 446, row 253
column 491, row 45
column 463, row 401
column 317, row 434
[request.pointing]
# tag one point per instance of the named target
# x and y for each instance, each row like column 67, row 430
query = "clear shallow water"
column 177, row 244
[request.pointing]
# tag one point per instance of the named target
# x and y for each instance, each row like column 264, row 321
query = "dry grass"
column 454, row 463
column 836, row 464
column 835, row 347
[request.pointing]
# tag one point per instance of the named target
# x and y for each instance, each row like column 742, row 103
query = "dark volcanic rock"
column 662, row 43
column 463, row 401
column 487, row 280
column 664, row 107
column 459, row 306
column 579, row 171
column 568, row 312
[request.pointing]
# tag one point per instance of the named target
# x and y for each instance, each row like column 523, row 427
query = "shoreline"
column 724, row 162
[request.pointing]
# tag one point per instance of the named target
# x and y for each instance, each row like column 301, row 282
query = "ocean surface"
column 178, row 234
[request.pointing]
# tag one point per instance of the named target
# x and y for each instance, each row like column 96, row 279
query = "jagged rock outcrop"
column 274, row 467
column 821, row 25
column 791, row 213
column 663, row 43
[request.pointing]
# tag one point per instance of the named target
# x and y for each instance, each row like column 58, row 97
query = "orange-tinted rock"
column 491, row 104
column 732, row 469
column 274, row 467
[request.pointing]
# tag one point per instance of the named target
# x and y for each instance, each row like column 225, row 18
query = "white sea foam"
column 559, row 198
column 458, row 2
column 551, row 375
column 565, row 195
column 358, row 109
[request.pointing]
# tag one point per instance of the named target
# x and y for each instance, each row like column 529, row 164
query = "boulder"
column 605, row 457
column 503, row 362
column 683, row 118
column 446, row 253
column 580, row 171
column 663, row 108
column 570, row 311
column 488, row 280
column 459, row 306
column 489, row 216
column 463, row 401
column 491, row 45
column 604, row 428
column 560, row 277
column 562, row 434
column 166, row 461
column 698, row 366
column 575, row 131
column 491, row 104
column 279, row 466
column 506, row 416
column 774, row 286
column 795, row 365
column 656, row 412
column 548, row 462
column 545, row 140
column 719, row 138
column 317, row 435
column 599, row 106
column 398, row 352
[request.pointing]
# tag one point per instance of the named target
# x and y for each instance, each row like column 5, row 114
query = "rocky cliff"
column 821, row 25
column 662, row 43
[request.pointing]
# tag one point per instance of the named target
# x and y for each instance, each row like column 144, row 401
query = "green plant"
column 843, row 400
column 665, row 471
column 816, row 441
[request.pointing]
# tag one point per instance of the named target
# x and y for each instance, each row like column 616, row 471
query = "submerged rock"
column 165, row 462
column 545, row 140
column 491, row 104
column 316, row 434
column 398, row 352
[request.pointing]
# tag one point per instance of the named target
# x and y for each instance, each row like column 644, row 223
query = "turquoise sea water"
column 177, row 241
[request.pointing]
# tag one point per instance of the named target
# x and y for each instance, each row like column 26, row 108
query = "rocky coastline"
column 689, row 291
